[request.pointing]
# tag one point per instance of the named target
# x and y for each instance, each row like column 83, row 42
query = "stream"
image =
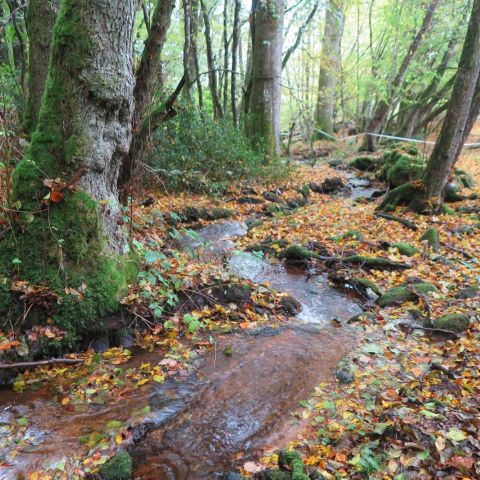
column 230, row 409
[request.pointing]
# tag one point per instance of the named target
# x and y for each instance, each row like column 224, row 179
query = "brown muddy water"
column 230, row 409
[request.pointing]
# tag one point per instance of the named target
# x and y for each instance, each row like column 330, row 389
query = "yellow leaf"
column 159, row 378
column 142, row 382
column 118, row 439
column 65, row 401
column 440, row 443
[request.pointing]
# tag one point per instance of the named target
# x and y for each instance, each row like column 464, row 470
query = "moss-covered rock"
column 405, row 168
column 455, row 322
column 290, row 306
column 433, row 239
column 466, row 178
column 296, row 253
column 375, row 263
column 353, row 234
column 270, row 247
column 398, row 295
column 219, row 213
column 406, row 249
column 364, row 284
column 117, row 468
column 363, row 163
column 471, row 291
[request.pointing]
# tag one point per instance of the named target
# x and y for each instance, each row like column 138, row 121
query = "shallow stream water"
column 231, row 408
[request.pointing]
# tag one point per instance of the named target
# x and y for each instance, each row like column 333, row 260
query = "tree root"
column 406, row 223
column 52, row 361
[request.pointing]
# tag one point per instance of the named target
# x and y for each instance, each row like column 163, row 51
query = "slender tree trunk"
column 225, row 56
column 298, row 37
column 235, row 45
column 41, row 15
column 263, row 120
column 462, row 111
column 74, row 240
column 383, row 107
column 187, row 49
column 411, row 116
column 247, row 86
column 20, row 55
column 327, row 82
column 212, row 75
column 194, row 62
column 147, row 77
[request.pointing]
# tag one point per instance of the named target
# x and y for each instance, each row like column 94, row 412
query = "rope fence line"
column 393, row 137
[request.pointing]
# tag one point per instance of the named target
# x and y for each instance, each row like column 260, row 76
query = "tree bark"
column 263, row 120
column 225, row 56
column 235, row 44
column 462, row 111
column 327, row 82
column 384, row 104
column 212, row 74
column 17, row 13
column 41, row 15
column 146, row 85
column 74, row 240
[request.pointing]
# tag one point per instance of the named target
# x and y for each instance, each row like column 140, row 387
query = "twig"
column 52, row 361
column 430, row 329
column 458, row 250
column 440, row 368
column 405, row 223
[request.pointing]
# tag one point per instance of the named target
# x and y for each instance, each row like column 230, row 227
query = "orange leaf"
column 56, row 196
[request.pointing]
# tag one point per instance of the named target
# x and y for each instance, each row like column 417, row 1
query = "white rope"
column 411, row 140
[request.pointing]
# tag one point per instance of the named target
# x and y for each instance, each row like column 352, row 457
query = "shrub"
column 197, row 153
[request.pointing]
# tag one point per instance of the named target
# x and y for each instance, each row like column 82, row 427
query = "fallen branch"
column 442, row 331
column 458, row 250
column 39, row 363
column 438, row 367
column 405, row 223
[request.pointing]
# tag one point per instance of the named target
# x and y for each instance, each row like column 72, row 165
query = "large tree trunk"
column 462, row 111
column 212, row 73
column 383, row 107
column 71, row 239
column 41, row 15
column 145, row 87
column 327, row 82
column 263, row 120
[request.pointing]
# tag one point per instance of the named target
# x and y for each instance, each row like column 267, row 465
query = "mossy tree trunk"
column 146, row 85
column 262, row 124
column 462, row 112
column 74, row 240
column 41, row 15
column 327, row 81
column 382, row 109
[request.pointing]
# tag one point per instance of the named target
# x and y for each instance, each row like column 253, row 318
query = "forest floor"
column 404, row 403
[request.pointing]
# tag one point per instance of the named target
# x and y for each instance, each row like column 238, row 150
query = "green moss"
column 354, row 234
column 403, row 170
column 363, row 163
column 293, row 461
column 399, row 295
column 456, row 322
column 433, row 239
column 466, row 178
column 378, row 263
column 364, row 283
column 405, row 249
column 267, row 247
column 447, row 210
column 297, row 252
column 64, row 248
column 118, row 468
column 219, row 213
